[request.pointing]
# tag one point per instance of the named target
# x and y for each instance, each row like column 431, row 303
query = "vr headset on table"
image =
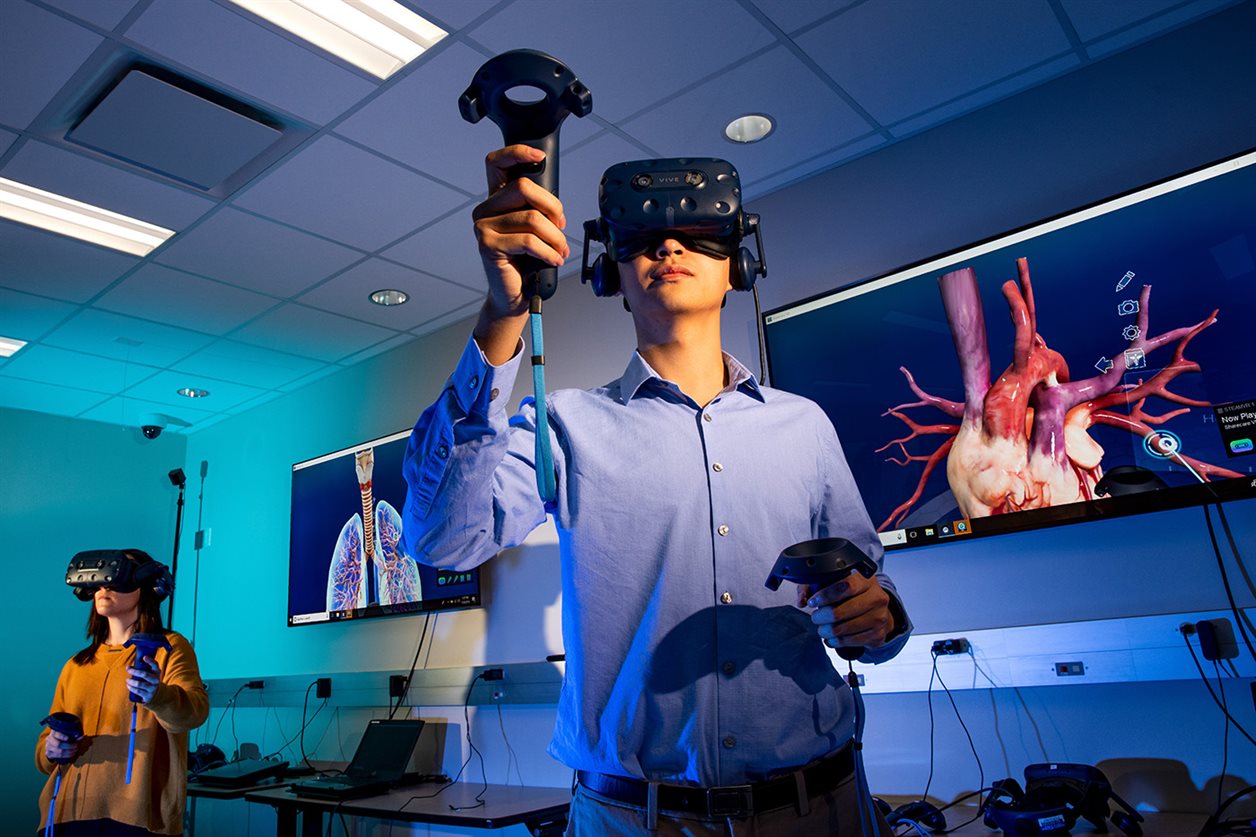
column 694, row 199
column 119, row 571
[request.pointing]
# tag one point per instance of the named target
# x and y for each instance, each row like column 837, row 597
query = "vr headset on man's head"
column 694, row 199
column 121, row 570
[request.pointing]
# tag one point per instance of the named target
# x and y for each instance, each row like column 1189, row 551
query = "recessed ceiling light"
column 750, row 128
column 28, row 205
column 192, row 392
column 8, row 346
column 389, row 296
column 380, row 36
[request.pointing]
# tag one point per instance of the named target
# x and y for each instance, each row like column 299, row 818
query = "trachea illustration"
column 368, row 565
column 1021, row 441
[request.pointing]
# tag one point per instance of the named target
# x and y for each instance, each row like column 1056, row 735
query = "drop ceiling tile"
column 464, row 313
column 378, row 348
column 792, row 15
column 603, row 44
column 245, row 364
column 758, row 188
column 809, row 116
column 253, row 403
column 417, row 122
column 349, row 195
column 163, row 388
column 26, row 317
column 7, row 138
column 1155, row 26
column 1094, row 20
column 52, row 265
column 349, row 293
column 455, row 13
column 447, row 248
column 104, row 13
column 126, row 338
column 75, row 369
column 18, row 394
column 170, row 296
column 131, row 412
column 941, row 50
column 106, row 186
column 264, row 256
column 306, row 331
column 232, row 46
column 986, row 95
column 39, row 51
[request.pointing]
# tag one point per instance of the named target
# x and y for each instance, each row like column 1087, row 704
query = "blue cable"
column 52, row 804
column 130, row 752
column 545, row 482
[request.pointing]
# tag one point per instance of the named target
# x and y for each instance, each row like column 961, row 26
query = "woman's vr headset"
column 694, row 199
column 122, row 570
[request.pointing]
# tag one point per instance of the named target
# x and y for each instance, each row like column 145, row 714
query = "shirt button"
column 493, row 393
column 706, row 416
column 723, row 530
column 729, row 742
column 442, row 452
column 475, row 381
column 726, row 597
column 729, row 667
column 717, row 467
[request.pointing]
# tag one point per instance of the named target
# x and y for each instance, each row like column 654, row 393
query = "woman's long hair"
column 148, row 620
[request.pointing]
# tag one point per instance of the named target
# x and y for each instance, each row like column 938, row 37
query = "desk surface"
column 1154, row 825
column 503, row 804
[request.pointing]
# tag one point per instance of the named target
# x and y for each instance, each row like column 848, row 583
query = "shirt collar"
column 639, row 372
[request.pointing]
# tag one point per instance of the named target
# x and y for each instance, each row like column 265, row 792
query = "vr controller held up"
column 533, row 123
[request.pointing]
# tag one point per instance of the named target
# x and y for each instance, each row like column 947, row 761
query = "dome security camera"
column 151, row 431
column 151, row 424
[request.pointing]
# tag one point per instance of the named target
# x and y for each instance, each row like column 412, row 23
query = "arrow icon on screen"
column 1103, row 365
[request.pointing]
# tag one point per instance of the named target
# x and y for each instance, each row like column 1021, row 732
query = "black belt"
column 729, row 800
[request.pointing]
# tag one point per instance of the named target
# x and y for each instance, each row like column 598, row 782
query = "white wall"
column 1161, row 108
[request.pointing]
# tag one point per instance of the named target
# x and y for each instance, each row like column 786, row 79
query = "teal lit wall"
column 65, row 485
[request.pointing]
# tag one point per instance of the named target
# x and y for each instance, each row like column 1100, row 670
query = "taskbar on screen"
column 948, row 531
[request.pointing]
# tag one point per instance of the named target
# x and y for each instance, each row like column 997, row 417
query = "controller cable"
column 52, row 803
column 867, row 809
column 545, row 482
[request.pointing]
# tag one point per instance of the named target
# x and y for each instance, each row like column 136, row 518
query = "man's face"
column 670, row 279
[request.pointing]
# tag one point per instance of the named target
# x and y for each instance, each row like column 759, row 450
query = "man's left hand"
column 144, row 683
column 853, row 612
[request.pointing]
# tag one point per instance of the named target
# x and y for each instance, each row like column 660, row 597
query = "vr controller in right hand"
column 518, row 221
column 65, row 730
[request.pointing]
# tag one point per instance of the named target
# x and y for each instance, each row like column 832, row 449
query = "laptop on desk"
column 379, row 763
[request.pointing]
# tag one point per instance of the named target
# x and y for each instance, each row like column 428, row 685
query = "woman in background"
column 94, row 797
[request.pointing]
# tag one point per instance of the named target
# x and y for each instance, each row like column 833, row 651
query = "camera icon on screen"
column 1127, row 307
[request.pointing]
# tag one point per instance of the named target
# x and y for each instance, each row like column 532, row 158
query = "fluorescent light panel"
column 8, row 346
column 380, row 36
column 65, row 216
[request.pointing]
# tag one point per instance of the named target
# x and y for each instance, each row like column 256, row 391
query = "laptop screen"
column 385, row 749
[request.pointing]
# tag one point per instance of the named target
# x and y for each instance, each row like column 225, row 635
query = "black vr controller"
column 1054, row 798
column 533, row 123
column 66, row 723
column 697, row 199
column 117, row 570
column 821, row 563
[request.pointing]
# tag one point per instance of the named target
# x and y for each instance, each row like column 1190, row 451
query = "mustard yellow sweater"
column 93, row 786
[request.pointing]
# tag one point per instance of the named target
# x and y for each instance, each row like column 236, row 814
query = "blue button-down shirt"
column 681, row 665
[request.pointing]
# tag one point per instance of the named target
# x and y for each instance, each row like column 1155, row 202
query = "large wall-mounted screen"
column 1098, row 364
column 346, row 559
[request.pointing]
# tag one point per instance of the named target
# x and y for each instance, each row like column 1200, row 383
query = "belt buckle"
column 730, row 801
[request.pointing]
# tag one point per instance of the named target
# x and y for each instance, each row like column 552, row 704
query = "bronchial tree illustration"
column 1021, row 441
column 368, row 565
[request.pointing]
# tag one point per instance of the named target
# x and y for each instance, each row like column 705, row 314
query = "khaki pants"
column 834, row 813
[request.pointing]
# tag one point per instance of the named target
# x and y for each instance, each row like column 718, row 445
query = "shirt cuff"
column 475, row 381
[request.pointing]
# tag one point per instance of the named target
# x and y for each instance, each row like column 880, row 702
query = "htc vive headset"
column 123, row 570
column 1055, row 797
column 694, row 199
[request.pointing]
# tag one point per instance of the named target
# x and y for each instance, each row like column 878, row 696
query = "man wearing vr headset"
column 695, row 701
column 95, row 685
